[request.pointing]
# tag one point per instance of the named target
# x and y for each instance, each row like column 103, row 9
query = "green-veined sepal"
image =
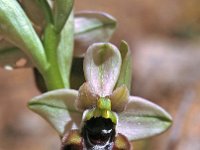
column 142, row 119
column 57, row 107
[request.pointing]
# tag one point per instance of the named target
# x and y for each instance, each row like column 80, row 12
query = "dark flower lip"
column 94, row 141
column 98, row 133
column 72, row 147
column 73, row 140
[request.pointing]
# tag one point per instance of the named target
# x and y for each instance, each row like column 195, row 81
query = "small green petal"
column 101, row 66
column 104, row 103
column 119, row 98
column 126, row 70
column 92, row 27
column 143, row 119
column 57, row 107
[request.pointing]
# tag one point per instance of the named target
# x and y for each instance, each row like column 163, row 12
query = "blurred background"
column 164, row 37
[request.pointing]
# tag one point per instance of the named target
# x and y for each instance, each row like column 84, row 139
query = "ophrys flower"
column 102, row 114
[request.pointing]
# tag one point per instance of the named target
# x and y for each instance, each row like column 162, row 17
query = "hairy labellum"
column 99, row 133
column 73, row 140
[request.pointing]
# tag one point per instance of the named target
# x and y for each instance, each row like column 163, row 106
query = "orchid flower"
column 102, row 114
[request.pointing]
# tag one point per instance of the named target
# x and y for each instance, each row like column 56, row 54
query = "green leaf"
column 57, row 107
column 62, row 10
column 92, row 27
column 16, row 28
column 143, row 119
column 101, row 66
column 65, row 50
column 46, row 9
column 126, row 70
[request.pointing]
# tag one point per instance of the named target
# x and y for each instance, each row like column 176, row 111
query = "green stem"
column 52, row 75
column 59, row 52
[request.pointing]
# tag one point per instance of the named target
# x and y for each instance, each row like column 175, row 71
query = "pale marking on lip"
column 106, row 131
column 94, row 145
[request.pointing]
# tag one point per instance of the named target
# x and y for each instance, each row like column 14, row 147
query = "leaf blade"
column 65, row 50
column 62, row 10
column 17, row 29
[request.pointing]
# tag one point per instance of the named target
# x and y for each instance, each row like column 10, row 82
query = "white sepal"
column 142, row 119
column 57, row 107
